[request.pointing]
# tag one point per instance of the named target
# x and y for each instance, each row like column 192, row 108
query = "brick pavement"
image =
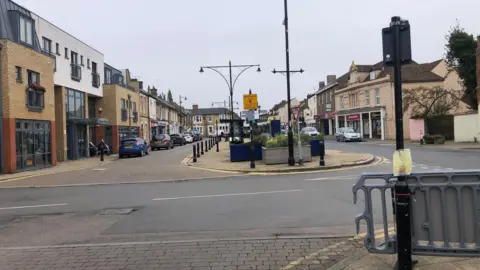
column 304, row 253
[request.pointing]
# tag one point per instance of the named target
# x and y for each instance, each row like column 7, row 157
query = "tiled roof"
column 432, row 65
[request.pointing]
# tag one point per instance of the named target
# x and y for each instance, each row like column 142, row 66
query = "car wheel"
column 120, row 156
column 142, row 153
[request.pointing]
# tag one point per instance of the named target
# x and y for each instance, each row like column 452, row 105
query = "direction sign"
column 250, row 102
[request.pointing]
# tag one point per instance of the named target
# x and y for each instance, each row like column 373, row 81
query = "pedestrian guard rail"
column 444, row 212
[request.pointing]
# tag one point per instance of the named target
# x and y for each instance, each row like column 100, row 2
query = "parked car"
column 347, row 134
column 188, row 138
column 178, row 139
column 133, row 147
column 310, row 131
column 161, row 141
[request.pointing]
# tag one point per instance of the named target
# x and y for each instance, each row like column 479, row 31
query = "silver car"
column 347, row 134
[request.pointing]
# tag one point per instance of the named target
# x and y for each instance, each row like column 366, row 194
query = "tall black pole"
column 402, row 192
column 231, row 99
column 217, row 137
column 291, row 160
column 129, row 116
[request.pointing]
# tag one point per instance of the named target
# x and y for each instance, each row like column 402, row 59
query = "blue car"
column 133, row 147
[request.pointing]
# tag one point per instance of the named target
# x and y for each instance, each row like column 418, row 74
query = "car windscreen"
column 349, row 130
column 309, row 129
column 158, row 137
column 129, row 142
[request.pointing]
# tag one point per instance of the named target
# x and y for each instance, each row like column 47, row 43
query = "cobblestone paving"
column 310, row 253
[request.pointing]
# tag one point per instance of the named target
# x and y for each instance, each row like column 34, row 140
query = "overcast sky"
column 165, row 42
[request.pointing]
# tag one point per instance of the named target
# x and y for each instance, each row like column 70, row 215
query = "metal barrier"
column 445, row 216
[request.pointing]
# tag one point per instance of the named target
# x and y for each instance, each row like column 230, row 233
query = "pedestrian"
column 102, row 147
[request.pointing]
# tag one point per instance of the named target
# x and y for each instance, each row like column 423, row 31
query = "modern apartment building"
column 27, row 99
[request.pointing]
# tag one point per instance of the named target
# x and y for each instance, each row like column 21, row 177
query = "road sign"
column 250, row 102
column 295, row 112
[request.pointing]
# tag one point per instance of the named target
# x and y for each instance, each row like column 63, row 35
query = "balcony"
column 76, row 72
column 95, row 79
column 124, row 114
column 135, row 116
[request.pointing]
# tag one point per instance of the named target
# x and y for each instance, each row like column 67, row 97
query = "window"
column 66, row 53
column 18, row 74
column 75, row 104
column 377, row 96
column 123, row 102
column 81, row 60
column 26, row 31
column 210, row 129
column 134, row 107
column 353, row 77
column 372, row 75
column 35, row 94
column 74, row 59
column 57, row 49
column 32, row 144
column 47, row 45
column 108, row 76
column 88, row 63
column 342, row 104
column 367, row 97
column 209, row 118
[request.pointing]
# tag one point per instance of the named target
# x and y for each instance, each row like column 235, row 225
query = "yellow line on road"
column 378, row 234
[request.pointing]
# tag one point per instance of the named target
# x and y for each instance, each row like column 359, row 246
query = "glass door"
column 81, row 141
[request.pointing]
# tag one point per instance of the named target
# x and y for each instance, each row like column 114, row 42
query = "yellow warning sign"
column 250, row 102
column 402, row 162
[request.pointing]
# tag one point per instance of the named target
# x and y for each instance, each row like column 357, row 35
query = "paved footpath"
column 223, row 254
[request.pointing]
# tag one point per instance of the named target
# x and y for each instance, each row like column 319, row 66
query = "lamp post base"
column 291, row 161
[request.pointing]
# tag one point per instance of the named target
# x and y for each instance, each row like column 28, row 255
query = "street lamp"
column 291, row 160
column 181, row 110
column 230, row 82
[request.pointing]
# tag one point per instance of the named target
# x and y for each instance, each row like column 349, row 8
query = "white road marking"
column 33, row 206
column 345, row 177
column 227, row 195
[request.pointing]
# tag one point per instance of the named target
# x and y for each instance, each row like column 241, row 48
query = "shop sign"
column 353, row 117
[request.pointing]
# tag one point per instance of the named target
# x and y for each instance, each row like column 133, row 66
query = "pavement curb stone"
column 367, row 161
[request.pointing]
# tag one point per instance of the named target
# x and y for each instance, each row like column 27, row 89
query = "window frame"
column 88, row 63
column 66, row 53
column 35, row 98
column 377, row 96
column 57, row 49
column 18, row 74
column 20, row 38
column 81, row 60
column 49, row 42
column 367, row 97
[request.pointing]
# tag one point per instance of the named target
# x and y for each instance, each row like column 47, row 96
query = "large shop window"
column 33, row 144
column 123, row 132
column 75, row 104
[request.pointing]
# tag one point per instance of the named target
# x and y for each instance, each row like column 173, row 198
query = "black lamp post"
column 291, row 160
column 230, row 82
column 129, row 115
column 181, row 111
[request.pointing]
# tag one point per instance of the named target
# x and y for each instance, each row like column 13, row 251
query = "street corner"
column 336, row 256
column 335, row 160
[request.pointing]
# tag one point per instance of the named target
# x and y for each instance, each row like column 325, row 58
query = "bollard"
column 322, row 152
column 194, row 154
column 101, row 154
column 198, row 150
column 201, row 148
column 217, row 145
column 206, row 146
column 322, row 160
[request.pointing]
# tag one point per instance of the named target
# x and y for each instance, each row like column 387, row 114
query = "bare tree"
column 427, row 102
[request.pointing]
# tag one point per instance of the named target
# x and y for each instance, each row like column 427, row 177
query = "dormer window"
column 372, row 75
column 353, row 77
column 26, row 31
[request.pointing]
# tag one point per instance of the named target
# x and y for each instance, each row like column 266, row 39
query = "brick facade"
column 14, row 96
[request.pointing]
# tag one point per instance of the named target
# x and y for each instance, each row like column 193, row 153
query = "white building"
column 311, row 111
column 78, row 82
column 283, row 110
column 152, row 114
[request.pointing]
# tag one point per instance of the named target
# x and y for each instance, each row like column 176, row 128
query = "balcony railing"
column 124, row 114
column 135, row 116
column 76, row 72
column 95, row 79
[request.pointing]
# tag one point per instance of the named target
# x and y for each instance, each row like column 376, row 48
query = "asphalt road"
column 229, row 206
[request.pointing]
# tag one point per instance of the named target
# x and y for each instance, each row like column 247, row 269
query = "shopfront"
column 326, row 123
column 153, row 128
column 123, row 132
column 77, row 144
column 369, row 123
column 33, row 144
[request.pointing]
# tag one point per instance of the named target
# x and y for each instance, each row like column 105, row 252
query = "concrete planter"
column 279, row 155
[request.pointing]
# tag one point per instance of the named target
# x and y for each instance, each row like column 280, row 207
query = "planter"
column 279, row 155
column 241, row 152
column 315, row 147
column 439, row 141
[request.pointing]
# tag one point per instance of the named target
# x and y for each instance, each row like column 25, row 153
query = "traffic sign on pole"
column 250, row 102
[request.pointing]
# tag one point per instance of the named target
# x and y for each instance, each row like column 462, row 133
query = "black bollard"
column 194, row 154
column 101, row 154
column 198, row 150
column 201, row 148
column 217, row 144
column 322, row 160
column 206, row 146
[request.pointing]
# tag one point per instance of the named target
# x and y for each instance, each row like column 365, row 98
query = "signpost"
column 296, row 114
column 250, row 102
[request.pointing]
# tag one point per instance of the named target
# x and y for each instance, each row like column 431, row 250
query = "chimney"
column 140, row 85
column 331, row 78
column 321, row 85
column 153, row 91
column 195, row 108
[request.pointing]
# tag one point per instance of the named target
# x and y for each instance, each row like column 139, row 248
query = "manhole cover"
column 119, row 211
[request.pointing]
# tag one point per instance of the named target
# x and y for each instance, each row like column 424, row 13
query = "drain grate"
column 117, row 211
